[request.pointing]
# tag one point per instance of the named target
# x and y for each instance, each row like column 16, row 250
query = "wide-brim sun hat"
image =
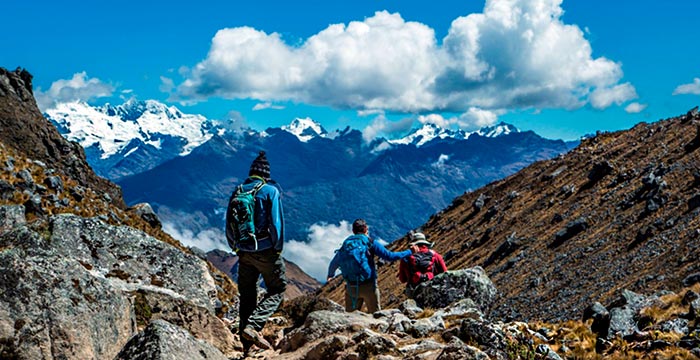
column 419, row 239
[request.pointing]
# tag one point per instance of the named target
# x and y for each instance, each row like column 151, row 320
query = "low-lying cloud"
column 515, row 54
column 314, row 255
column 208, row 239
column 79, row 87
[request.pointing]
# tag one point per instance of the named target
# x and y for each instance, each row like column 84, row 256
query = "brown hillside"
column 298, row 282
column 31, row 144
column 620, row 211
column 24, row 129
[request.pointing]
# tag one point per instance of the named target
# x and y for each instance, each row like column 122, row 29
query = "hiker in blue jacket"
column 260, row 256
column 359, row 270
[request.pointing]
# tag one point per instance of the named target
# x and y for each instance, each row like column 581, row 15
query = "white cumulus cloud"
column 314, row 255
column 603, row 97
column 383, row 126
column 692, row 88
column 635, row 108
column 79, row 87
column 515, row 54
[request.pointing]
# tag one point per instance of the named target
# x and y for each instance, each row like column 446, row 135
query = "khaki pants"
column 251, row 265
column 365, row 293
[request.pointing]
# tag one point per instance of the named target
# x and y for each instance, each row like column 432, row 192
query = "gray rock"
column 164, row 341
column 386, row 313
column 424, row 327
column 600, row 170
column 54, row 183
column 485, row 334
column 25, row 176
column 198, row 252
column 462, row 352
column 546, row 353
column 451, row 286
column 622, row 322
column 6, row 190
column 321, row 323
column 375, row 344
column 77, row 192
column 410, row 308
column 399, row 323
column 10, row 164
column 328, row 348
column 480, row 202
column 67, row 286
column 679, row 326
column 145, row 212
column 572, row 229
column 11, row 216
column 691, row 279
column 420, row 347
column 201, row 323
column 465, row 308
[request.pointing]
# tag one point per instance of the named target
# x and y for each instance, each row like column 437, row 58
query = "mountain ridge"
column 619, row 211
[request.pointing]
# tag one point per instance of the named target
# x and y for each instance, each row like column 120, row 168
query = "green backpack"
column 240, row 225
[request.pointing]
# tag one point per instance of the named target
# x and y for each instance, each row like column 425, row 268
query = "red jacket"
column 408, row 273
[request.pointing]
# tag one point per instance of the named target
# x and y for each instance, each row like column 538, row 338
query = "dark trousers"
column 251, row 265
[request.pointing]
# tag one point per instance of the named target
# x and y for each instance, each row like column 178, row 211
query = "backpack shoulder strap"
column 257, row 187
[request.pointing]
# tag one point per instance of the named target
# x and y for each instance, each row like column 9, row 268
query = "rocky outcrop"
column 452, row 286
column 458, row 331
column 145, row 212
column 24, row 129
column 164, row 341
column 75, row 287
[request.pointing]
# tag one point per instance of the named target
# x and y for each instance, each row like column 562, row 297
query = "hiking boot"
column 255, row 337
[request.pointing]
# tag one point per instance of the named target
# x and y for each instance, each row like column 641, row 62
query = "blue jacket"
column 375, row 248
column 268, row 217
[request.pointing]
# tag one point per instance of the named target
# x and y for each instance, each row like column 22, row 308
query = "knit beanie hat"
column 260, row 166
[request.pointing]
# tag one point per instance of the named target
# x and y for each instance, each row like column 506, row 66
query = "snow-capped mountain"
column 497, row 130
column 111, row 128
column 430, row 131
column 305, row 129
column 427, row 133
column 147, row 131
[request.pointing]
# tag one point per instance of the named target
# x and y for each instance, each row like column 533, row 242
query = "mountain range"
column 619, row 212
column 327, row 177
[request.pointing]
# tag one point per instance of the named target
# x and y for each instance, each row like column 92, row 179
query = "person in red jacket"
column 421, row 266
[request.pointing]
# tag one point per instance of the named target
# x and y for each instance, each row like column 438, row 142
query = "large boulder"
column 69, row 287
column 164, row 341
column 452, row 286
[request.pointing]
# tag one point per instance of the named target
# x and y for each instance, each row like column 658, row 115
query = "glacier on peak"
column 111, row 128
column 430, row 131
column 305, row 129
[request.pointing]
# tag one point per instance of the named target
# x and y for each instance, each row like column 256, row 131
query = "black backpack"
column 422, row 268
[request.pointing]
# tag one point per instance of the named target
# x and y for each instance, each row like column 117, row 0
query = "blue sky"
column 561, row 69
